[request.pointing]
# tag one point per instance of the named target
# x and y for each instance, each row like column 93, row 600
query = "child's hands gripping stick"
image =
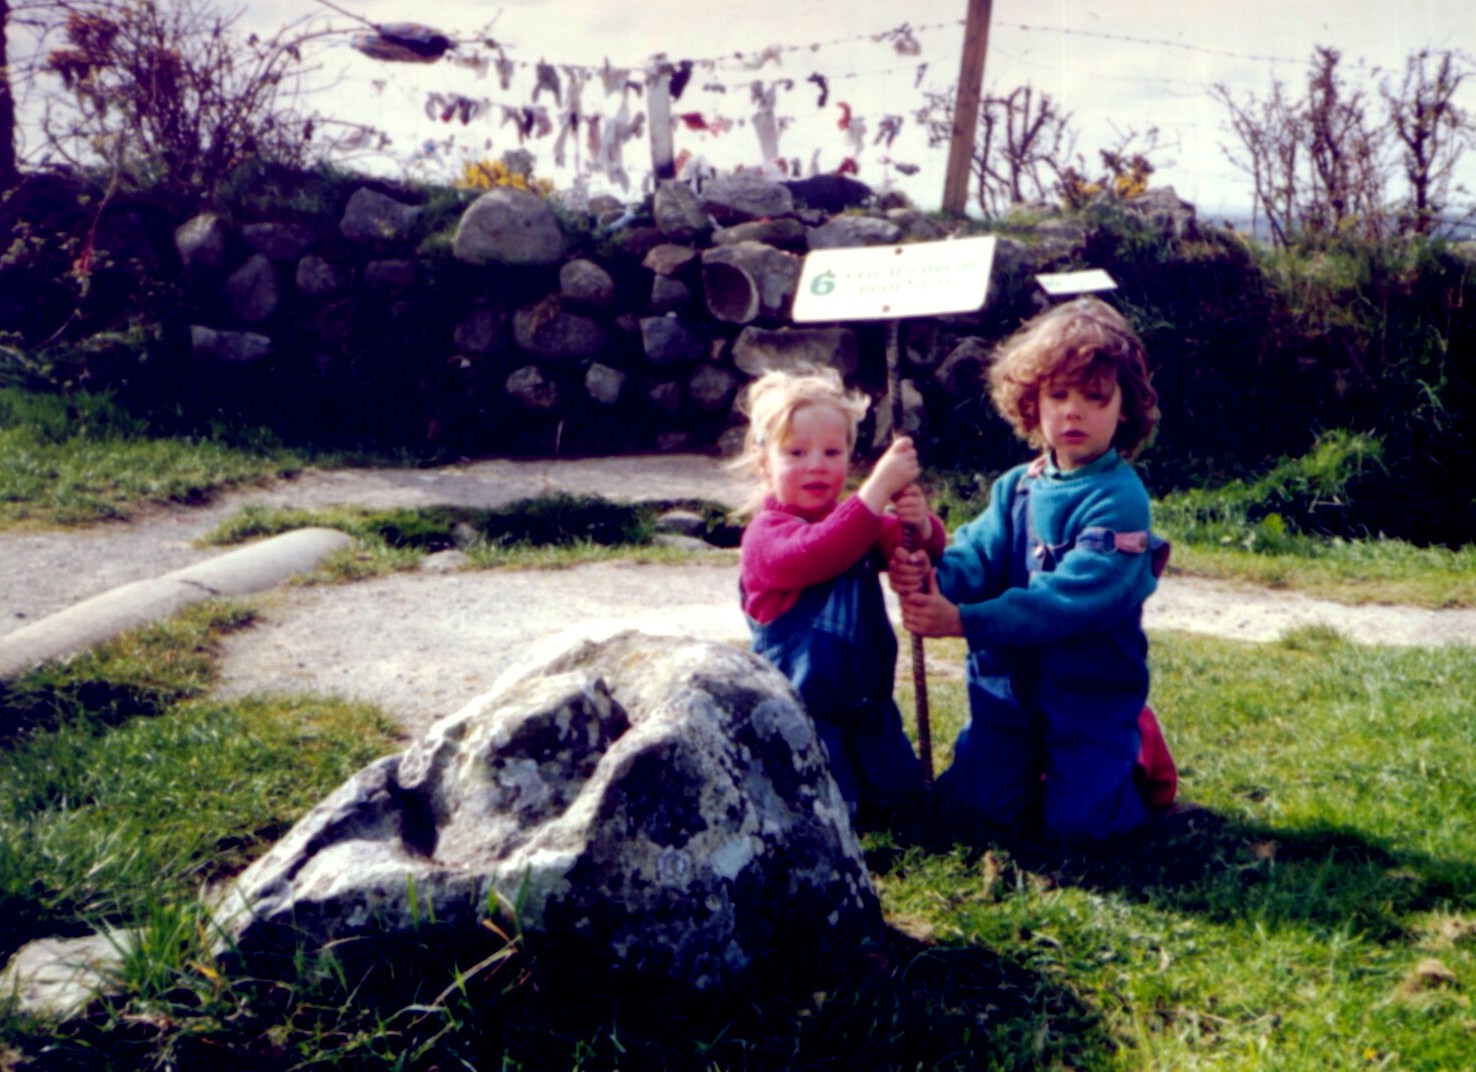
column 896, row 469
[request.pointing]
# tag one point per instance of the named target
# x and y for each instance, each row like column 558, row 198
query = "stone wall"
column 518, row 327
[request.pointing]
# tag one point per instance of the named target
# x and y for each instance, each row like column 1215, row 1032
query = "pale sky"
column 1115, row 65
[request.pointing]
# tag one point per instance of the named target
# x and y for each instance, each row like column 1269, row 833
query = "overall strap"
column 1044, row 556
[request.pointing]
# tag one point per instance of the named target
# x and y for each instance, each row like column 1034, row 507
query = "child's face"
column 1078, row 420
column 809, row 468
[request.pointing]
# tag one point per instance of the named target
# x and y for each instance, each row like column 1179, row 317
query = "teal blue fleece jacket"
column 1088, row 591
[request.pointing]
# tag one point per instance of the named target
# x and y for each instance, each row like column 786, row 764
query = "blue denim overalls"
column 837, row 647
column 1053, row 729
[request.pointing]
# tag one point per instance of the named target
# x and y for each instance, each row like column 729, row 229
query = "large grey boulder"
column 508, row 226
column 651, row 805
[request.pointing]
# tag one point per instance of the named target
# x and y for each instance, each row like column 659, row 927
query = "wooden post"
column 909, row 541
column 966, row 107
column 658, row 103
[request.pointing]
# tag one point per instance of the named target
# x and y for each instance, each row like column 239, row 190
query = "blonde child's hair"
column 1082, row 342
column 772, row 400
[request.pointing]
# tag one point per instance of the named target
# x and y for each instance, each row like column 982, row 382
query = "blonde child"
column 1047, row 586
column 808, row 572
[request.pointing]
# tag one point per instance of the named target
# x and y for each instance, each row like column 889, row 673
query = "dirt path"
column 423, row 644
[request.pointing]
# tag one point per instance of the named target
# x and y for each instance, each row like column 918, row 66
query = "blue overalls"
column 837, row 647
column 1053, row 729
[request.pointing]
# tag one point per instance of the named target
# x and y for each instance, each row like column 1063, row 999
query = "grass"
column 1319, row 912
column 80, row 459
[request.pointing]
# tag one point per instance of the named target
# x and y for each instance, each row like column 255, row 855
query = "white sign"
column 1065, row 284
column 891, row 282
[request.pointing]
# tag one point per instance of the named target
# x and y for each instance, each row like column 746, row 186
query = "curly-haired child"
column 1047, row 586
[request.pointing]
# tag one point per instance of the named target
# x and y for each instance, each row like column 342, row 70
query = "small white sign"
column 891, row 282
column 1069, row 284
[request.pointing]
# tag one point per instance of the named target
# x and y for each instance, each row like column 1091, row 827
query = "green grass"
column 80, row 459
column 1320, row 912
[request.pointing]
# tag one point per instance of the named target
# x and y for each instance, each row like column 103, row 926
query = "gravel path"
column 423, row 644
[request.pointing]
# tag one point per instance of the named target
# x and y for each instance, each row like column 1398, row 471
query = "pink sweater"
column 786, row 550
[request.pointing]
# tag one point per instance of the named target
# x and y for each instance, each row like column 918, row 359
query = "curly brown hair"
column 1083, row 341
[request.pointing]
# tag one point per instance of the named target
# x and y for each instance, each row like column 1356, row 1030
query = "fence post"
column 658, row 103
column 966, row 107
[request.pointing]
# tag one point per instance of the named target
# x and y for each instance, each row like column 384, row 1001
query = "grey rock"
column 241, row 348
column 655, row 806
column 758, row 350
column 731, row 199
column 852, row 232
column 604, row 384
column 202, row 242
column 712, row 388
column 678, row 211
column 278, row 241
column 668, row 258
column 318, row 277
column 668, row 340
column 371, row 216
column 507, row 226
column 254, row 290
column 547, row 330
column 668, row 295
column 532, row 390
column 783, row 233
column 392, row 276
column 482, row 331
column 585, row 282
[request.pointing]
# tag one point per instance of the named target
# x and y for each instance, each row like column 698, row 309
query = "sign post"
column 889, row 283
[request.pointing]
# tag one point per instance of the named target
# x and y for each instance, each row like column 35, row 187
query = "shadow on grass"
column 891, row 1003
column 1193, row 859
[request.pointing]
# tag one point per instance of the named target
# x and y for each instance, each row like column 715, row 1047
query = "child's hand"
column 907, row 571
column 894, row 471
column 928, row 614
column 912, row 510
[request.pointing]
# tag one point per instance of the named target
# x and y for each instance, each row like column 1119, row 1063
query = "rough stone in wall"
column 545, row 330
column 254, row 291
column 531, row 390
column 749, row 280
column 669, row 259
column 318, row 277
column 653, row 805
column 239, row 349
column 278, row 241
column 604, row 384
column 202, row 242
column 508, row 226
column 482, row 331
column 851, row 232
column 759, row 350
column 678, row 211
column 585, row 283
column 669, row 295
column 371, row 216
column 784, row 233
column 391, row 276
column 668, row 340
column 743, row 197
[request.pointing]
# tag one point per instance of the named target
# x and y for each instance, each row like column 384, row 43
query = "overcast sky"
column 1115, row 65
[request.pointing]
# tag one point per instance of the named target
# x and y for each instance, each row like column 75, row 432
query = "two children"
column 1047, row 586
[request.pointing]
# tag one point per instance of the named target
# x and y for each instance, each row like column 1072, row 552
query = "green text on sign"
column 887, row 282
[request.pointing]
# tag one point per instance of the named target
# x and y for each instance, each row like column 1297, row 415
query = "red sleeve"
column 782, row 554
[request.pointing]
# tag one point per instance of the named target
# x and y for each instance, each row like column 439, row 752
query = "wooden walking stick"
column 909, row 541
